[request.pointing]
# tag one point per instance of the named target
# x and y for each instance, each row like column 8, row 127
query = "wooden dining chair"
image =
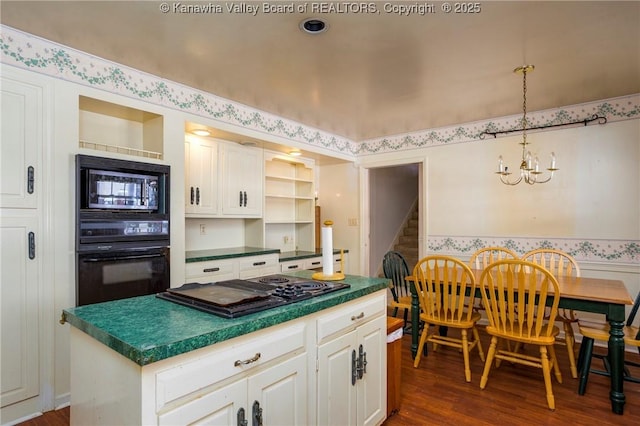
column 592, row 332
column 441, row 282
column 481, row 258
column 515, row 294
column 560, row 264
column 395, row 268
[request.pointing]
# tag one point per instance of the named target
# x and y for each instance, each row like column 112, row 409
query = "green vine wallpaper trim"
column 29, row 52
column 43, row 56
column 611, row 251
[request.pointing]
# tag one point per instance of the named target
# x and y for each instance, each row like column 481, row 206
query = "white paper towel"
column 327, row 250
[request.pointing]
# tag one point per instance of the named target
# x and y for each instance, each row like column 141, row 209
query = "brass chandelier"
column 530, row 166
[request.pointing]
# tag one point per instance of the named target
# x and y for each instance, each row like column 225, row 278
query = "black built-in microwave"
column 120, row 203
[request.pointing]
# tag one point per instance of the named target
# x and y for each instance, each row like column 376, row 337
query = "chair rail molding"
column 610, row 252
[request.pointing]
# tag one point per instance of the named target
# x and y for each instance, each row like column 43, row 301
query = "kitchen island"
column 163, row 363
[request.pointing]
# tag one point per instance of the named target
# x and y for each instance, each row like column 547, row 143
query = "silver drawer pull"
column 353, row 318
column 247, row 361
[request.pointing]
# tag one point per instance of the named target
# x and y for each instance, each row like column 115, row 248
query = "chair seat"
column 515, row 336
column 600, row 331
column 451, row 321
column 403, row 302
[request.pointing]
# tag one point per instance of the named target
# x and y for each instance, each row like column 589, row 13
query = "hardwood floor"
column 50, row 418
column 436, row 393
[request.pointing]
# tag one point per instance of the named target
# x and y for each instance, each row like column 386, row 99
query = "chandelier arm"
column 507, row 182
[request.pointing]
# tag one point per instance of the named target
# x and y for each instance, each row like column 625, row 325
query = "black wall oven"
column 122, row 229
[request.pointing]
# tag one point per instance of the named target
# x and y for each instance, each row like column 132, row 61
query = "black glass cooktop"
column 236, row 298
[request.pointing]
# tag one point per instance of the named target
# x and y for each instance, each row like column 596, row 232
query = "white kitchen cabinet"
column 313, row 263
column 257, row 266
column 242, row 168
column 272, row 394
column 21, row 139
column 289, row 215
column 299, row 372
column 205, row 386
column 292, row 265
column 232, row 268
column 352, row 365
column 201, row 177
column 212, row 271
column 24, row 299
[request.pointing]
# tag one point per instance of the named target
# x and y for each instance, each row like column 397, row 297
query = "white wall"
column 595, row 196
column 338, row 198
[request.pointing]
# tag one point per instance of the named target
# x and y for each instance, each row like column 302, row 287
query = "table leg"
column 616, row 356
column 415, row 323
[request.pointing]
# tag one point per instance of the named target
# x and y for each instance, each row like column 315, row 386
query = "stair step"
column 410, row 231
column 408, row 240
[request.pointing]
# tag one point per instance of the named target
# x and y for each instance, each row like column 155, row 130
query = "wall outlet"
column 203, row 229
column 352, row 221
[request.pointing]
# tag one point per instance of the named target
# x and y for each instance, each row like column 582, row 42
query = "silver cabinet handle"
column 247, row 361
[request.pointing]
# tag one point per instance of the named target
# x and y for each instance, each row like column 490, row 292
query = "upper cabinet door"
column 242, row 180
column 201, row 177
column 20, row 138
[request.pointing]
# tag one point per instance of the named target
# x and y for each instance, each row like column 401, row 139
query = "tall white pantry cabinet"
column 24, row 135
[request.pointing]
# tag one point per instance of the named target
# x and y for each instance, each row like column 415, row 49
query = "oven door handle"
column 132, row 257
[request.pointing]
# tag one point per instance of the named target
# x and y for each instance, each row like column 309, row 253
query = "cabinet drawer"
column 313, row 263
column 256, row 266
column 215, row 270
column 294, row 265
column 219, row 364
column 343, row 319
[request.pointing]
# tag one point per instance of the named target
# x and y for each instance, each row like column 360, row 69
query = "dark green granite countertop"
column 147, row 329
column 226, row 253
column 286, row 256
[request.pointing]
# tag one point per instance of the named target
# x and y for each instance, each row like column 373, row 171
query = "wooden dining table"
column 596, row 295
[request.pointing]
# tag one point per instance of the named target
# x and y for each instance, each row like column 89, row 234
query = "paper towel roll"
column 327, row 250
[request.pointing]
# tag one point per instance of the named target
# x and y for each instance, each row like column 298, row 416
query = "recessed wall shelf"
column 289, row 215
column 109, row 127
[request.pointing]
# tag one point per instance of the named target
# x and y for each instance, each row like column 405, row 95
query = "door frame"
column 365, row 209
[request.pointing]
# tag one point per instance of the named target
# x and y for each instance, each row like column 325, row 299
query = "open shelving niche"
column 114, row 128
column 289, row 196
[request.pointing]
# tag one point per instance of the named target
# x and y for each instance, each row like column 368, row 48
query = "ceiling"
column 368, row 75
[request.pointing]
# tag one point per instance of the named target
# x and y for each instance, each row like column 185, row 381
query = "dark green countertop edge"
column 228, row 253
column 147, row 329
column 287, row 256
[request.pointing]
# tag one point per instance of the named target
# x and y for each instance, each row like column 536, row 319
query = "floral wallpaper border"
column 43, row 56
column 46, row 57
column 593, row 250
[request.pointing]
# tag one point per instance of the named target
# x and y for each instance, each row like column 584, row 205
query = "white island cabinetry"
column 352, row 361
column 286, row 374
